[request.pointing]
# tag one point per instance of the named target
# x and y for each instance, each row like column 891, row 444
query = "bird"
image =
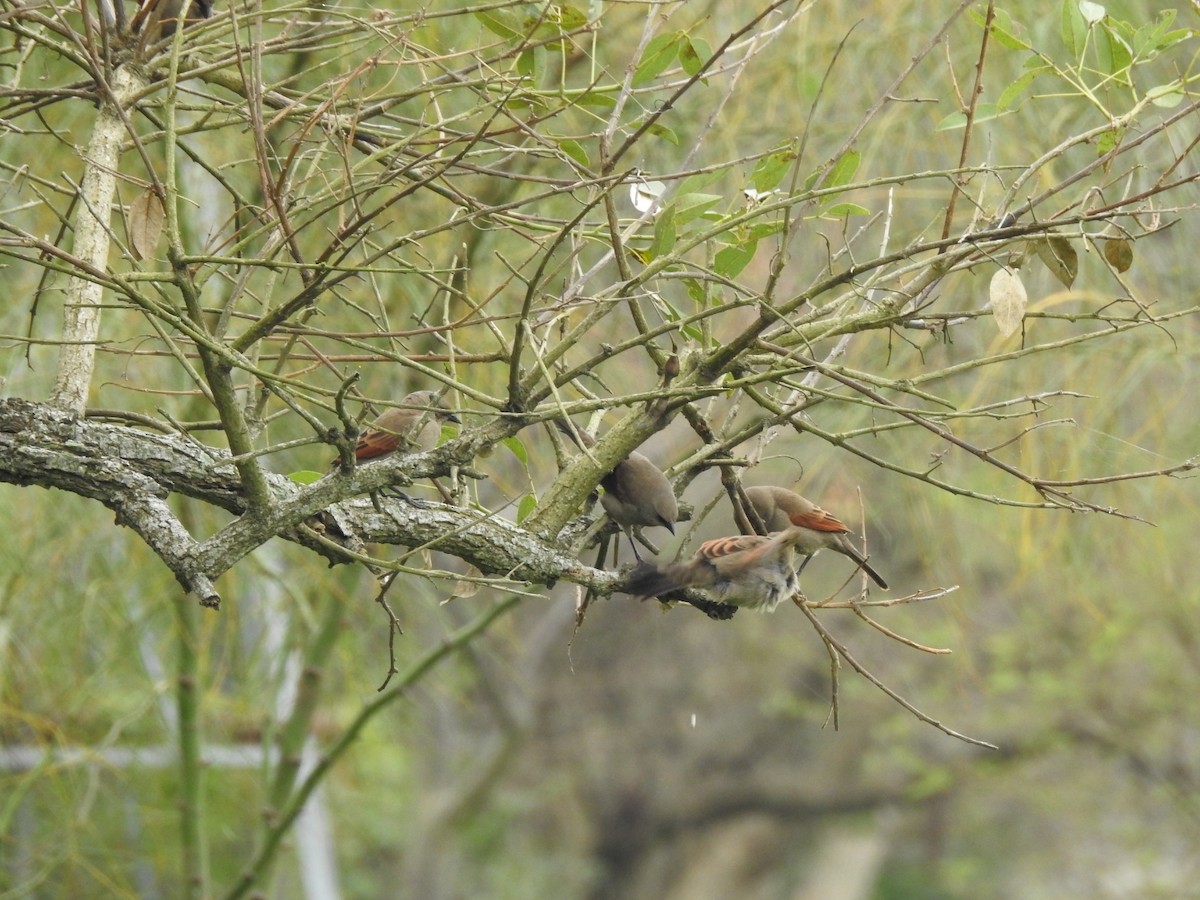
column 166, row 14
column 781, row 509
column 412, row 427
column 751, row 570
column 636, row 492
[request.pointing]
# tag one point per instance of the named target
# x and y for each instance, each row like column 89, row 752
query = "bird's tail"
column 650, row 580
column 851, row 551
column 875, row 576
column 578, row 436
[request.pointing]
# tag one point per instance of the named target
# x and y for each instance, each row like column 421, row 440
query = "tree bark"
column 93, row 236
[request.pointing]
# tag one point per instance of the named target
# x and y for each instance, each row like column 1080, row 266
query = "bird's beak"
column 451, row 417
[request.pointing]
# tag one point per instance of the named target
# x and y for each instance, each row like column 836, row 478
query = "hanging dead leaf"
column 145, row 224
column 1018, row 254
column 1119, row 253
column 582, row 598
column 1060, row 258
column 1008, row 298
column 465, row 588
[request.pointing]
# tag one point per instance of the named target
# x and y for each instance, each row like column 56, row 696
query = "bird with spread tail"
column 636, row 492
column 781, row 509
column 412, row 427
column 754, row 570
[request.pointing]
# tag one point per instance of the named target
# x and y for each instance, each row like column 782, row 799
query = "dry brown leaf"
column 145, row 224
column 1008, row 298
column 466, row 588
column 1119, row 253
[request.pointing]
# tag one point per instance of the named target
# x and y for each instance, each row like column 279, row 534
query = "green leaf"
column 305, row 476
column 660, row 53
column 518, row 449
column 839, row 173
column 1010, row 94
column 984, row 112
column 527, row 62
column 1059, row 257
column 664, row 233
column 1150, row 39
column 730, row 261
column 843, row 170
column 693, row 54
column 575, row 151
column 1114, row 56
column 765, row 229
column 555, row 21
column 662, row 131
column 570, row 18
column 527, row 102
column 952, row 121
column 671, row 314
column 1166, row 95
column 1004, row 30
column 527, row 505
column 695, row 291
column 502, row 22
column 1144, row 40
column 770, row 170
column 693, row 206
column 1073, row 29
column 693, row 184
column 1109, row 140
column 838, row 210
column 597, row 101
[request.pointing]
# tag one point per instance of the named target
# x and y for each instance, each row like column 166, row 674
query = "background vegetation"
column 357, row 202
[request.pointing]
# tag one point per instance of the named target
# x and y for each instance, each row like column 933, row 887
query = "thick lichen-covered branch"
column 133, row 471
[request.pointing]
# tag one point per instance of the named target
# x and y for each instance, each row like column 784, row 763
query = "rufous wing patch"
column 724, row 546
column 376, row 443
column 818, row 520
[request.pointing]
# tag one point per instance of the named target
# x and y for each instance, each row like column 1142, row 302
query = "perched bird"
column 412, row 427
column 166, row 14
column 781, row 509
column 758, row 571
column 636, row 492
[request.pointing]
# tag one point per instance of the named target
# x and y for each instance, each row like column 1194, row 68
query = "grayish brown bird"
column 636, row 492
column 758, row 571
column 412, row 427
column 165, row 13
column 781, row 509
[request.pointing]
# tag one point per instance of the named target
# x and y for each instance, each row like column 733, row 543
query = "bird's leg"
column 714, row 609
column 415, row 502
column 643, row 540
column 590, row 595
column 797, row 592
column 629, row 533
column 800, row 568
column 447, row 497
